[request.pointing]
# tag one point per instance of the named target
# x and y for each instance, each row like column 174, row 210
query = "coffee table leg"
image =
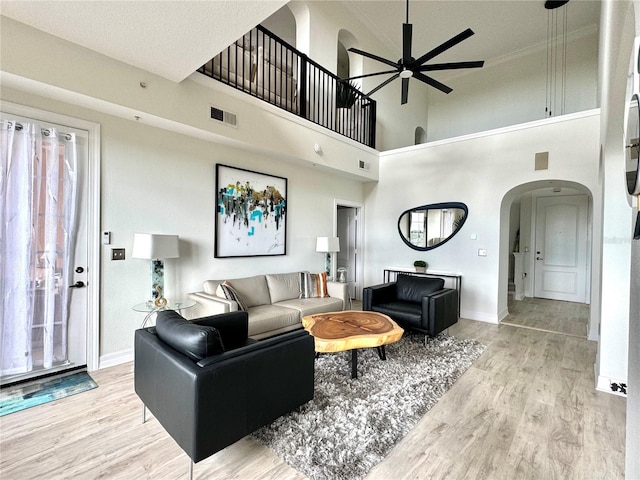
column 354, row 363
column 381, row 352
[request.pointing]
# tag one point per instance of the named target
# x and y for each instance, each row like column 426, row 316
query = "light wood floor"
column 526, row 409
column 567, row 318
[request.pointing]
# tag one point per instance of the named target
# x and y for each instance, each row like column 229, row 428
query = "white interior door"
column 561, row 248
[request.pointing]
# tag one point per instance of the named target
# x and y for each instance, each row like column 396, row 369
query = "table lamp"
column 328, row 245
column 156, row 248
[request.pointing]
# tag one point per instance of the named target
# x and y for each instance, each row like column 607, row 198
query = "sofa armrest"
column 339, row 290
column 440, row 310
column 208, row 305
column 377, row 294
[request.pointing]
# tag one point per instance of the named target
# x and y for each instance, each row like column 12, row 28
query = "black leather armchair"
column 415, row 303
column 209, row 385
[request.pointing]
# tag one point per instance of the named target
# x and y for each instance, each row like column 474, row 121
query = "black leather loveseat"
column 415, row 303
column 209, row 385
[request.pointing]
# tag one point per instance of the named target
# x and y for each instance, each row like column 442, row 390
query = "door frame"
column 359, row 235
column 93, row 217
column 589, row 236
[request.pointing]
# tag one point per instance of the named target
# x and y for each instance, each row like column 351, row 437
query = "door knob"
column 78, row 284
column 539, row 258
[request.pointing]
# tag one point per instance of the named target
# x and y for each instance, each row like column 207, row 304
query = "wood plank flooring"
column 526, row 409
column 568, row 318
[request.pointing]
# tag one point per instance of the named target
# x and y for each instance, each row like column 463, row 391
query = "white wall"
column 161, row 182
column 618, row 31
column 479, row 171
column 513, row 91
column 76, row 75
column 158, row 173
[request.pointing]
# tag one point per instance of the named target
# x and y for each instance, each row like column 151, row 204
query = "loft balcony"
column 265, row 66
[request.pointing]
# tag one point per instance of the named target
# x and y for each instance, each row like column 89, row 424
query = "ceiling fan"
column 408, row 66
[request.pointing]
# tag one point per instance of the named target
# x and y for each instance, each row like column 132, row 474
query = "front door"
column 561, row 248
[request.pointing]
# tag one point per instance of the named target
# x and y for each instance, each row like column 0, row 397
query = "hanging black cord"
column 407, row 11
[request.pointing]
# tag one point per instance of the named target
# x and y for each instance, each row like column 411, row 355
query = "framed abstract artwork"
column 250, row 213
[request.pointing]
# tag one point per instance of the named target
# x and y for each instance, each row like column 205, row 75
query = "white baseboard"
column 478, row 316
column 604, row 385
column 116, row 358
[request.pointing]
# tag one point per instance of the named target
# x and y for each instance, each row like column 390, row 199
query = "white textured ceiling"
column 169, row 38
column 174, row 38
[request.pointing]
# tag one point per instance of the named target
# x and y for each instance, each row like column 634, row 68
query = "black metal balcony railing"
column 265, row 66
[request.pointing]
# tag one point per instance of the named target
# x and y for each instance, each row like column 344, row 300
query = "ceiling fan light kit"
column 408, row 67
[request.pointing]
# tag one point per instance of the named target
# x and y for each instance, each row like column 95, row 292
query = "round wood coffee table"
column 351, row 330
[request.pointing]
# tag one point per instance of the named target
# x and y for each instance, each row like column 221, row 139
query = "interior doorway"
column 348, row 222
column 547, row 230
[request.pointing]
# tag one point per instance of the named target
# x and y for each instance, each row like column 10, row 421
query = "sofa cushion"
column 253, row 290
column 311, row 306
column 193, row 340
column 313, row 285
column 411, row 288
column 283, row 286
column 264, row 318
column 230, row 293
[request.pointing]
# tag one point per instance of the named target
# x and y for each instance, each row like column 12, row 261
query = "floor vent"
column 227, row 118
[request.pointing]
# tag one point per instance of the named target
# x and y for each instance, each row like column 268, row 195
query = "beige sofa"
column 272, row 302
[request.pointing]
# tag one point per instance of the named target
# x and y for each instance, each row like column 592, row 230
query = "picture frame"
column 250, row 214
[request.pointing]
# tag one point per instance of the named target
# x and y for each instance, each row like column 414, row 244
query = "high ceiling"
column 502, row 27
column 174, row 38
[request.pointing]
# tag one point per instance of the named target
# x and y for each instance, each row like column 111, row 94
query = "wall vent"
column 227, row 118
column 362, row 165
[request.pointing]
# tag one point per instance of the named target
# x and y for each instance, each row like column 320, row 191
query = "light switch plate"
column 482, row 252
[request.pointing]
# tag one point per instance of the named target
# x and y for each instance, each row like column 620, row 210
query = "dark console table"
column 391, row 274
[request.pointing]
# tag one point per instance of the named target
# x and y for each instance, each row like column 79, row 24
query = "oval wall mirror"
column 429, row 226
column 632, row 148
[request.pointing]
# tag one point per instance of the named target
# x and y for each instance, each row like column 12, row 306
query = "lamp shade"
column 151, row 246
column 328, row 244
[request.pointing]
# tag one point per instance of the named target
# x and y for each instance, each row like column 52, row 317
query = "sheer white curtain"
column 38, row 184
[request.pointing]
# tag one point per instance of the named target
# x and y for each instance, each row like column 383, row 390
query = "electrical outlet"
column 482, row 252
column 117, row 254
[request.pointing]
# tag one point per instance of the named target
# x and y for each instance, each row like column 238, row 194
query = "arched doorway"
column 545, row 254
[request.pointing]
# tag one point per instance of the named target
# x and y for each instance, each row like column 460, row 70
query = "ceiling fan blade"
column 367, row 75
column 445, row 46
column 449, row 66
column 430, row 81
column 374, row 57
column 407, row 30
column 386, row 82
column 405, row 91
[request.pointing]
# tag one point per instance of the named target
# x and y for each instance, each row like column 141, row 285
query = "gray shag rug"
column 351, row 424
